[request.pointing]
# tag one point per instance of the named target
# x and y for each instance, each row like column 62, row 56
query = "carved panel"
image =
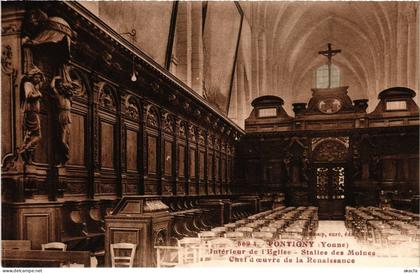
column 330, row 150
column 106, row 98
column 75, row 188
column 229, row 169
column 96, row 134
column 152, row 118
column 182, row 131
column 210, row 174
column 210, row 141
column 181, row 160
column 223, row 170
column 201, row 137
column 169, row 123
column 192, row 130
column 168, row 158
column 78, row 80
column 151, row 155
column 36, row 228
column 192, row 163
column 107, row 145
column 201, row 164
column 8, row 29
column 132, row 108
column 109, row 187
column 77, row 143
column 124, row 235
column 132, row 150
column 7, row 102
column 216, row 168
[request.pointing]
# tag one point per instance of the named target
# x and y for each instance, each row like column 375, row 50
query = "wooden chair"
column 204, row 251
column 206, row 236
column 220, row 243
column 246, row 231
column 234, row 235
column 219, row 230
column 189, row 250
column 262, row 235
column 122, row 254
column 230, row 226
column 54, row 246
column 167, row 256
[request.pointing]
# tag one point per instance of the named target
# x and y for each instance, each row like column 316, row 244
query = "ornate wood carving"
column 132, row 108
column 152, row 117
column 182, row 129
column 192, row 132
column 201, row 139
column 8, row 29
column 6, row 59
column 106, row 97
column 9, row 154
column 168, row 123
column 330, row 150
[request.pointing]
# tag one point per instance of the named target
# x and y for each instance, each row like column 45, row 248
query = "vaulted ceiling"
column 379, row 43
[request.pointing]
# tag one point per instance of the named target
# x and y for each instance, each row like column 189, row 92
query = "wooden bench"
column 40, row 258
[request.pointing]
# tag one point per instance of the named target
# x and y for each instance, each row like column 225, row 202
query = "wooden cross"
column 329, row 54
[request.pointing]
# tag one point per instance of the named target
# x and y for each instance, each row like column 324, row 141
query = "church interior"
column 166, row 134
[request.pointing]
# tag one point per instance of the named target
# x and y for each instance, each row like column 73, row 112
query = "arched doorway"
column 330, row 169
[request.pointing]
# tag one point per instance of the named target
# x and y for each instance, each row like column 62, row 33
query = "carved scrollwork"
column 6, row 59
column 182, row 128
column 168, row 123
column 77, row 77
column 132, row 108
column 159, row 239
column 9, row 29
column 152, row 118
column 330, row 150
column 96, row 139
column 106, row 97
column 123, row 147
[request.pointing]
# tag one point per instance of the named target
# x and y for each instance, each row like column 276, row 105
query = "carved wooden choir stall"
column 333, row 153
column 78, row 135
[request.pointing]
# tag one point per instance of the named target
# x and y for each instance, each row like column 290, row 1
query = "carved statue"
column 64, row 89
column 30, row 96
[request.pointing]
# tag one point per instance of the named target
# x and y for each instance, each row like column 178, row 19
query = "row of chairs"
column 122, row 254
column 384, row 228
column 254, row 231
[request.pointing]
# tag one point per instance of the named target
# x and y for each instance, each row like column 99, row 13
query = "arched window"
column 321, row 76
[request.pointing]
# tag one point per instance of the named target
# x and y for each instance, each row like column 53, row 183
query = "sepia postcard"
column 185, row 135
